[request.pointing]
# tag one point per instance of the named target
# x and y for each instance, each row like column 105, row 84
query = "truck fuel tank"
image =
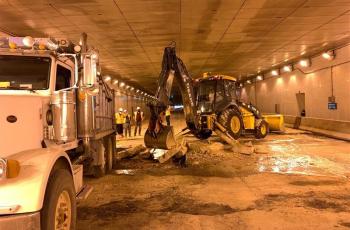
column 64, row 121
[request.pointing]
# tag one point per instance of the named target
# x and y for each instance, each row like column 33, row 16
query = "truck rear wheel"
column 59, row 208
column 231, row 119
column 262, row 129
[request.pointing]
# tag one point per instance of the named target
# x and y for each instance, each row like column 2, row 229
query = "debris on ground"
column 244, row 149
column 249, row 144
column 300, row 179
column 216, row 146
column 237, row 147
column 164, row 155
column 146, row 154
column 130, row 152
column 260, row 149
column 198, row 147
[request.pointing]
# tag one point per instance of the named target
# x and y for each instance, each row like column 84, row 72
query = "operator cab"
column 215, row 92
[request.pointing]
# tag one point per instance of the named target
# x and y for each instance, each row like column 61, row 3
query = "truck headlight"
column 9, row 168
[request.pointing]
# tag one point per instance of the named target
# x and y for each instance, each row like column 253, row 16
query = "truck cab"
column 26, row 85
column 56, row 122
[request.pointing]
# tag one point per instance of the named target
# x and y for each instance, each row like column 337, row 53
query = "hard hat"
column 138, row 108
column 120, row 109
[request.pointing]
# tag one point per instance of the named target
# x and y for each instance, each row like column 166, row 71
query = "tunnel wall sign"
column 332, row 105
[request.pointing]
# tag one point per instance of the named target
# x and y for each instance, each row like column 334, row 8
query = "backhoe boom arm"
column 173, row 67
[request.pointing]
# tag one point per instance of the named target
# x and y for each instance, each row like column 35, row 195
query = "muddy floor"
column 296, row 181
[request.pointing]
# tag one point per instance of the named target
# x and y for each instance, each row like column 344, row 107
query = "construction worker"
column 119, row 117
column 167, row 116
column 138, row 118
column 127, row 123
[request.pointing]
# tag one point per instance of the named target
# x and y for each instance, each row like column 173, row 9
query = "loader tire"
column 261, row 129
column 232, row 120
column 59, row 207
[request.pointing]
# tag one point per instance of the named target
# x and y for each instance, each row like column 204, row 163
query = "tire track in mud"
column 166, row 201
column 320, row 201
column 170, row 201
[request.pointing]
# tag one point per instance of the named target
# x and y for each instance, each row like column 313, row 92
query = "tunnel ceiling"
column 225, row 36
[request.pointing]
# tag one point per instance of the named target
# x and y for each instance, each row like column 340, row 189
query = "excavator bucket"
column 158, row 135
column 165, row 139
column 275, row 121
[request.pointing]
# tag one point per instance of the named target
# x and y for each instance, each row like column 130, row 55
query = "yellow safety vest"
column 167, row 112
column 119, row 118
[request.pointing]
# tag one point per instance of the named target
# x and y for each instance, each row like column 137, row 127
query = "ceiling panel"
column 235, row 37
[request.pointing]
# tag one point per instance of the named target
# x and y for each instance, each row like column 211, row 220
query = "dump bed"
column 104, row 110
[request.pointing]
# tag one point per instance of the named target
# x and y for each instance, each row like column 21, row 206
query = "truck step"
column 84, row 193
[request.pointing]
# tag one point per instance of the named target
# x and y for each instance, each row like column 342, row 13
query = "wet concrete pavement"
column 299, row 181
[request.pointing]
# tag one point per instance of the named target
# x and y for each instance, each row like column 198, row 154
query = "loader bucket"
column 275, row 121
column 165, row 139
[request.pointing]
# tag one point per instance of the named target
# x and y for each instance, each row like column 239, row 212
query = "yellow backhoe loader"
column 210, row 105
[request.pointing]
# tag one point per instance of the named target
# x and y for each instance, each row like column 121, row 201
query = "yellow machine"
column 217, row 99
column 210, row 105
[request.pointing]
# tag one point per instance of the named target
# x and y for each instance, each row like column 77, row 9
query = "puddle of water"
column 300, row 164
column 125, row 172
column 298, row 141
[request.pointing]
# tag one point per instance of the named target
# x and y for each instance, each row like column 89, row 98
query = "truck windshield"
column 23, row 72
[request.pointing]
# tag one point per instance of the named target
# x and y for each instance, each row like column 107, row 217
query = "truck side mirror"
column 89, row 78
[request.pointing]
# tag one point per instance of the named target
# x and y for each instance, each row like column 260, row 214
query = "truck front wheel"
column 59, row 208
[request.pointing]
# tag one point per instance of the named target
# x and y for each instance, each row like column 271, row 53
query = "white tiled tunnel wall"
column 316, row 86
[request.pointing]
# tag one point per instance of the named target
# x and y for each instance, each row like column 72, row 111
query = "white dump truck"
column 56, row 119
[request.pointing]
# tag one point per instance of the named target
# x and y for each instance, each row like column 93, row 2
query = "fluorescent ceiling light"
column 274, row 72
column 287, row 68
column 305, row 63
column 329, row 55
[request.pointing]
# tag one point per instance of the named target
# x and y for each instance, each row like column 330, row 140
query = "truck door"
column 63, row 105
